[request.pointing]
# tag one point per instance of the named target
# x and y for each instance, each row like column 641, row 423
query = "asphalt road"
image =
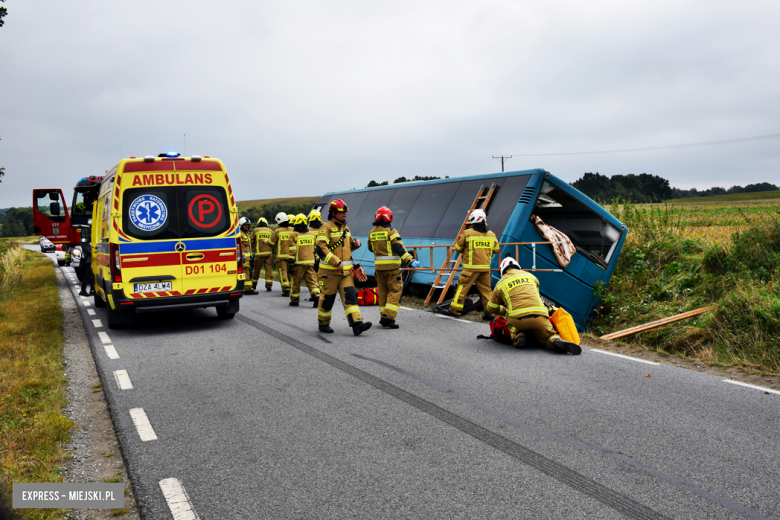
column 263, row 417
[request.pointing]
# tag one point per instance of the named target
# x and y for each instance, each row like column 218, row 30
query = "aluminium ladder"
column 482, row 201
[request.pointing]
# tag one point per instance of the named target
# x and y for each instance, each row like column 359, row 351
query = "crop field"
column 684, row 255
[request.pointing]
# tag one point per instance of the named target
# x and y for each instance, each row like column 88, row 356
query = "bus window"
column 402, row 203
column 429, row 210
column 458, row 209
column 594, row 237
column 505, row 202
column 361, row 223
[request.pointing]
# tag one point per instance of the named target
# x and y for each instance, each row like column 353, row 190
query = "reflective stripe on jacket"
column 380, row 242
column 328, row 235
column 259, row 236
column 304, row 247
column 281, row 240
column 518, row 292
column 246, row 242
column 477, row 249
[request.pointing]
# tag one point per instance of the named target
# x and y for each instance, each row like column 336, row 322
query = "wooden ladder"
column 482, row 201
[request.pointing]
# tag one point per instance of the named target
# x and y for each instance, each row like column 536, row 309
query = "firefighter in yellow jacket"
column 389, row 253
column 334, row 248
column 280, row 241
column 302, row 242
column 246, row 248
column 263, row 254
column 516, row 296
column 477, row 245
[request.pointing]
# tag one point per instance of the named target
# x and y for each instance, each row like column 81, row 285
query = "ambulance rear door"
column 148, row 242
column 209, row 262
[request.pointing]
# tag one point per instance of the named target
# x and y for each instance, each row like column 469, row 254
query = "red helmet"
column 337, row 206
column 384, row 214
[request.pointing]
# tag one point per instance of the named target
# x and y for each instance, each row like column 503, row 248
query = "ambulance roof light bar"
column 169, row 154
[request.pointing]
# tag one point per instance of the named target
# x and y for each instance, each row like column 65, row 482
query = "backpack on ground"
column 368, row 296
column 499, row 331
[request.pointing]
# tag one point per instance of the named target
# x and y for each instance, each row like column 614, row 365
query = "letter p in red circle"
column 205, row 211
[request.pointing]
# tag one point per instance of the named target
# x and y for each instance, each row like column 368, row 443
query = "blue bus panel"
column 431, row 212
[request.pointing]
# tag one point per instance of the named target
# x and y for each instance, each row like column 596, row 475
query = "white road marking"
column 142, row 425
column 97, row 324
column 85, row 303
column 624, row 357
column 123, row 380
column 409, row 308
column 111, row 352
column 451, row 318
column 178, row 500
column 91, row 312
column 754, row 387
column 104, row 337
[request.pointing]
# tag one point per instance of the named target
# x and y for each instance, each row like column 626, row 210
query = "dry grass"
column 32, row 385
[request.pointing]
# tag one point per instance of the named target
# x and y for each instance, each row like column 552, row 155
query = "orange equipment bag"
column 564, row 324
column 368, row 296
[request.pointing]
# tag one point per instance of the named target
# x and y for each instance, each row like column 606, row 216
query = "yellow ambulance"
column 165, row 237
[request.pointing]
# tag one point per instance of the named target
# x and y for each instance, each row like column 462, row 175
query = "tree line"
column 373, row 183
column 16, row 222
column 650, row 188
column 269, row 211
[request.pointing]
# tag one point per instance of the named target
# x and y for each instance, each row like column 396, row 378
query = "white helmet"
column 507, row 264
column 281, row 217
column 477, row 217
column 244, row 220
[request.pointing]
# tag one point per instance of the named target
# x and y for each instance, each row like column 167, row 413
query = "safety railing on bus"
column 501, row 245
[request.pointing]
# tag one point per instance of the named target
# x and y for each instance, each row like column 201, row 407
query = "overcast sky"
column 302, row 97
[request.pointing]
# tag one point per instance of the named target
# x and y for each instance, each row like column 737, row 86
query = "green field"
column 762, row 195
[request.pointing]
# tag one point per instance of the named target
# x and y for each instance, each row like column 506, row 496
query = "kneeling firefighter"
column 389, row 253
column 263, row 254
column 246, row 248
column 334, row 247
column 517, row 297
column 280, row 240
column 302, row 243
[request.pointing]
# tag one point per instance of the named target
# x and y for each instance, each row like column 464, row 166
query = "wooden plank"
column 654, row 324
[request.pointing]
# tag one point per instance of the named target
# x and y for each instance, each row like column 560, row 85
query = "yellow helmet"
column 315, row 215
column 262, row 221
column 300, row 218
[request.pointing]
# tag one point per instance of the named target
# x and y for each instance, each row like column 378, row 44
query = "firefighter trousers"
column 389, row 286
column 333, row 282
column 539, row 326
column 267, row 262
column 248, row 273
column 466, row 279
column 284, row 277
column 299, row 273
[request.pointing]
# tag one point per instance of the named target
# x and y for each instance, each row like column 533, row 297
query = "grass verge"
column 32, row 385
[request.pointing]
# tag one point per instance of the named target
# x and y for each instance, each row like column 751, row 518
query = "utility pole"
column 502, row 160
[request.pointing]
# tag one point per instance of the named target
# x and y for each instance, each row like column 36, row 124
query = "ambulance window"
column 207, row 211
column 150, row 213
column 362, row 222
column 429, row 210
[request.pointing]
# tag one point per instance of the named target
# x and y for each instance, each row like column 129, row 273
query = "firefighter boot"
column 326, row 328
column 316, row 300
column 285, row 293
column 267, row 288
column 294, row 304
column 486, row 316
column 388, row 323
column 447, row 312
column 567, row 346
column 251, row 292
column 519, row 340
column 360, row 326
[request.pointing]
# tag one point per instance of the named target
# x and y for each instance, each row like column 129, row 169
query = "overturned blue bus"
column 432, row 212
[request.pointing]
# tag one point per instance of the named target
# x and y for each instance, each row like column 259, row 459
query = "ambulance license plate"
column 153, row 287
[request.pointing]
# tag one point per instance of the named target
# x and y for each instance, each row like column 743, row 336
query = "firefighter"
column 477, row 245
column 263, row 254
column 246, row 247
column 334, row 246
column 389, row 253
column 302, row 240
column 315, row 223
column 517, row 297
column 280, row 239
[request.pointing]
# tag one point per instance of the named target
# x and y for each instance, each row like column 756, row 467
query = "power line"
column 502, row 160
column 667, row 147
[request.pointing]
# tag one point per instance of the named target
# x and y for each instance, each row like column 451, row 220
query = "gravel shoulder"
column 93, row 452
